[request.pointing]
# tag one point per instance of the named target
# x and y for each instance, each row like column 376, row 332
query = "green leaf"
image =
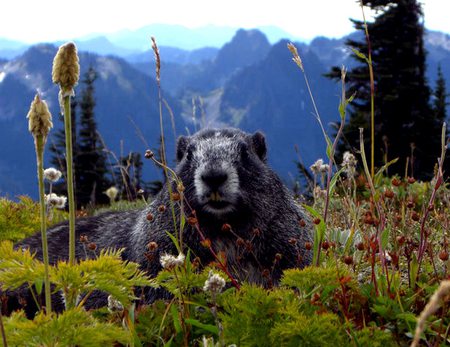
column 39, row 284
column 176, row 319
column 319, row 230
column 360, row 55
column 385, row 238
column 207, row 327
column 174, row 240
column 334, row 179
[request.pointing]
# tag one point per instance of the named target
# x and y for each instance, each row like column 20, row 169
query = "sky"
column 50, row 20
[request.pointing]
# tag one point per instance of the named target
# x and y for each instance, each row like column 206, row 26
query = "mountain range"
column 249, row 82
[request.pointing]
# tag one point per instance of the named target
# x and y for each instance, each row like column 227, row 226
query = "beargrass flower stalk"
column 66, row 72
column 39, row 124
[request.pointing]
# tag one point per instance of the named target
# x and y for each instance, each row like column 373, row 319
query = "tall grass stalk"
column 66, row 72
column 39, row 124
column 70, row 179
column 372, row 94
column 40, row 143
column 439, row 180
column 381, row 216
column 163, row 144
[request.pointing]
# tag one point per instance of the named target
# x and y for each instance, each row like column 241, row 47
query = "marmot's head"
column 220, row 168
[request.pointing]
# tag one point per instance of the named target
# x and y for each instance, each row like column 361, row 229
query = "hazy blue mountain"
column 176, row 55
column 247, row 47
column 10, row 49
column 124, row 96
column 101, row 45
column 183, row 37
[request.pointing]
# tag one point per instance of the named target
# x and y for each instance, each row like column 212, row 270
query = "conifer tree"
column 440, row 104
column 91, row 172
column 440, row 97
column 405, row 126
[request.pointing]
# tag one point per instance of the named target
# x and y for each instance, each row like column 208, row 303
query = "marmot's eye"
column 243, row 150
column 189, row 153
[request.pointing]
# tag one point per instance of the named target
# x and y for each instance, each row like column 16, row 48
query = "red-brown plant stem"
column 381, row 216
column 216, row 257
column 2, row 329
column 429, row 207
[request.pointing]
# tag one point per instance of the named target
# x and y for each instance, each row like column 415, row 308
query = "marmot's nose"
column 214, row 179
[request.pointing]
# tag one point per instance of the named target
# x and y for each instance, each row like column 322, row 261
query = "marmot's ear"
column 259, row 145
column 182, row 144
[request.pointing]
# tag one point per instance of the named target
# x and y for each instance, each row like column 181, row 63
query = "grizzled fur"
column 227, row 181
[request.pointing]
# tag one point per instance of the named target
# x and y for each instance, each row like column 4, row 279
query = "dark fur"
column 262, row 203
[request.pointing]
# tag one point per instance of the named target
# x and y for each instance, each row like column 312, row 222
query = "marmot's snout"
column 214, row 179
column 217, row 189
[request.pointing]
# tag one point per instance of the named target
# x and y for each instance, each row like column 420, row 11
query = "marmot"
column 240, row 204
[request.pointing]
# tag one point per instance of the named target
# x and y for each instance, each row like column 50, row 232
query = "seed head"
column 92, row 246
column 296, row 57
column 152, row 246
column 206, row 243
column 111, row 193
column 443, row 255
column 226, row 227
column 52, row 175
column 162, row 208
column 349, row 163
column 214, row 283
column 148, row 154
column 56, row 201
column 39, row 118
column 66, row 69
column 169, row 262
column 192, row 220
column 114, row 305
column 316, row 167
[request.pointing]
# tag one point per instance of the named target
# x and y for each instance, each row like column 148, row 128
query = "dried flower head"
column 349, row 163
column 324, row 168
column 169, row 262
column 53, row 200
column 114, row 305
column 315, row 168
column 296, row 57
column 214, row 283
column 157, row 59
column 39, row 118
column 111, row 193
column 66, row 69
column 51, row 174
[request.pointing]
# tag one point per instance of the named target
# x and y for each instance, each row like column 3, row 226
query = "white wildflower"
column 169, row 261
column 214, row 283
column 111, row 193
column 51, row 174
column 324, row 168
column 349, row 163
column 319, row 193
column 315, row 168
column 114, row 305
column 53, row 200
